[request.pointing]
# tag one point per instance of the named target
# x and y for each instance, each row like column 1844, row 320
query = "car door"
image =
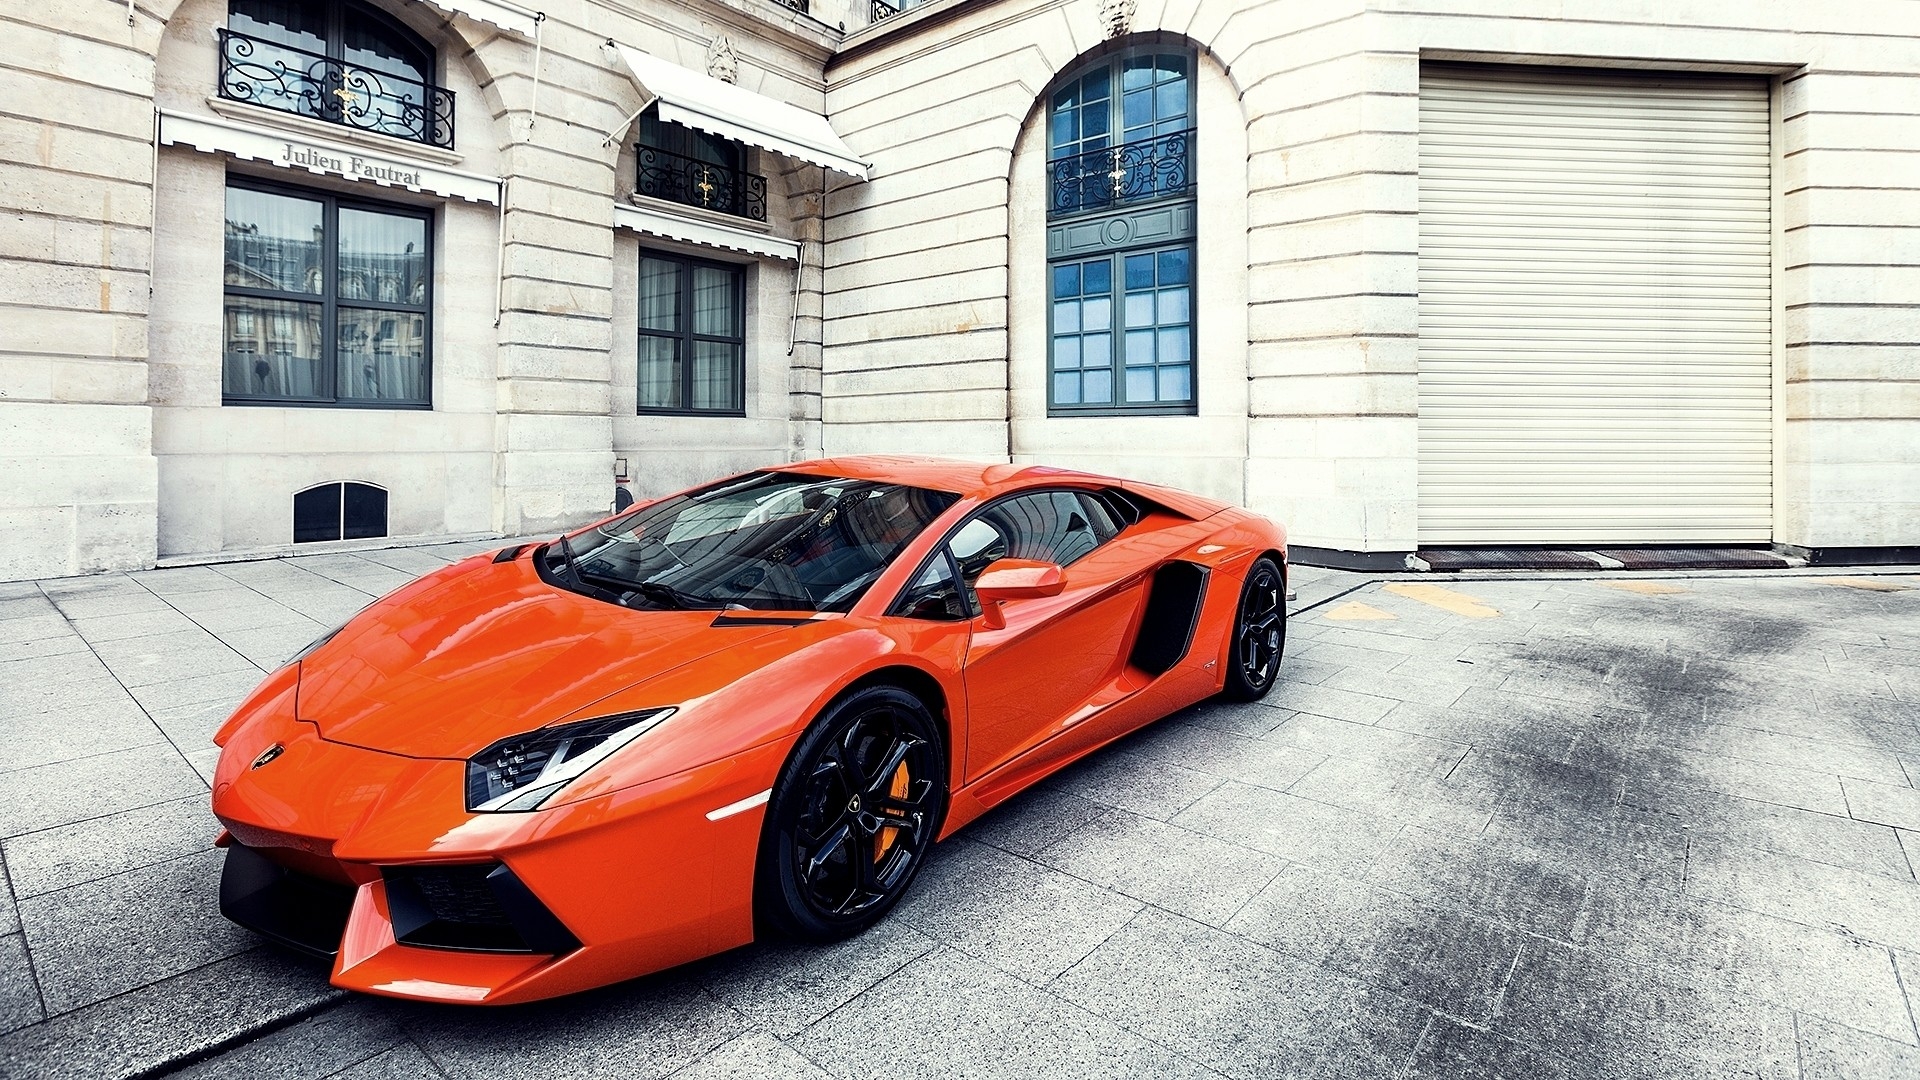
column 1055, row 654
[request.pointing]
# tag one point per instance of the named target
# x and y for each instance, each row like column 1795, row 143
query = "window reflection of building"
column 327, row 299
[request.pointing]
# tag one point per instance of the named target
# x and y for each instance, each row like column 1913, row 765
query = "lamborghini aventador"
column 744, row 709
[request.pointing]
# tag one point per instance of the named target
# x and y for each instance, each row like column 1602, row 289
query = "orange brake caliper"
column 884, row 839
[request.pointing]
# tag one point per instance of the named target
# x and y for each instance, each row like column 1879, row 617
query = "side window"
column 934, row 594
column 1049, row 526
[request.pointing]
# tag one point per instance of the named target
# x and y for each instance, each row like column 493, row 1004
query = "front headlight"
column 523, row 771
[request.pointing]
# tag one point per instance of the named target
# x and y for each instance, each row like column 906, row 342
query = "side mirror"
column 1015, row 579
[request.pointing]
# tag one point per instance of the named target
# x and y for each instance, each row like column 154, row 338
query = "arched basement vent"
column 345, row 511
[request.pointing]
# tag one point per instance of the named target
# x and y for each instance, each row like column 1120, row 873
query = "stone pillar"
column 77, row 475
column 1847, row 264
column 553, row 426
column 1333, row 302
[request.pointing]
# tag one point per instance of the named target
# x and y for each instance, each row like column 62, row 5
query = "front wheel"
column 1259, row 633
column 852, row 817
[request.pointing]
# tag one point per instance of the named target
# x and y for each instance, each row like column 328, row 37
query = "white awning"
column 704, row 102
column 509, row 17
column 704, row 233
column 219, row 136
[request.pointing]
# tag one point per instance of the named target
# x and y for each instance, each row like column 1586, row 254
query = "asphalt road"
column 1502, row 826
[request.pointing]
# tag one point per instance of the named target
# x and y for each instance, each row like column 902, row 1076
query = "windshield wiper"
column 572, row 565
column 670, row 597
column 571, row 576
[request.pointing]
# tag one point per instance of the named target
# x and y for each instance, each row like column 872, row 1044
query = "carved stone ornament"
column 722, row 64
column 1116, row 16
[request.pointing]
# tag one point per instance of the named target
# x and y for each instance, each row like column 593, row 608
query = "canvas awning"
column 509, row 17
column 701, row 101
column 216, row 135
column 704, row 233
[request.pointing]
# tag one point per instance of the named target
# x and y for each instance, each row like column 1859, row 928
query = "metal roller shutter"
column 1595, row 350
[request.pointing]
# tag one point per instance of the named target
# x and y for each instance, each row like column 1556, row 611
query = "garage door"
column 1595, row 351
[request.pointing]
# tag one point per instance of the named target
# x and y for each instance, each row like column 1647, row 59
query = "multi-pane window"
column 335, row 60
column 692, row 336
column 327, row 300
column 1147, row 359
column 1121, row 132
column 1121, row 273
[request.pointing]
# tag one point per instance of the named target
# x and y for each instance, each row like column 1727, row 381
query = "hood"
column 483, row 650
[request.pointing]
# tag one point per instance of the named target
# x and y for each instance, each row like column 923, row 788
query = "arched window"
column 1120, row 236
column 335, row 60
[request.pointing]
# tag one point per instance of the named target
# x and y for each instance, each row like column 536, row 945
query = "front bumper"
column 372, row 858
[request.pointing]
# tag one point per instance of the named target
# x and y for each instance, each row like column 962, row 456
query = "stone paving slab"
column 1515, row 825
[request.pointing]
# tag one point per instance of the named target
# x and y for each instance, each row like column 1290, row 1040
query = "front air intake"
column 478, row 907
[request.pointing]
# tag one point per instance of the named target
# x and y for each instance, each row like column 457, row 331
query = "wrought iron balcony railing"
column 262, row 72
column 797, row 5
column 1144, row 169
column 880, row 9
column 692, row 182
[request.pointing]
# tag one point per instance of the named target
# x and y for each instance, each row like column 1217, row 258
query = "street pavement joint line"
column 1443, row 598
column 26, row 943
column 1303, row 609
column 327, row 1002
column 1799, row 1052
column 287, row 561
column 1869, row 584
column 144, row 711
column 1355, row 611
column 224, row 643
column 1498, row 1004
column 1906, row 996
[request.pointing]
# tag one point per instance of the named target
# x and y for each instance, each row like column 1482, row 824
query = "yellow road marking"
column 1865, row 583
column 1645, row 588
column 1355, row 611
column 1445, row 599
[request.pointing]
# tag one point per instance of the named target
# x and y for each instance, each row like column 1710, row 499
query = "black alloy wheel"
column 852, row 817
column 1259, row 633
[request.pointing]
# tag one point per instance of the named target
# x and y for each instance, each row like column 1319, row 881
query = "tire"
column 852, row 817
column 1259, row 633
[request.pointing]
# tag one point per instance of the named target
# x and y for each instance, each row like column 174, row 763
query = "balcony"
column 286, row 79
column 1139, row 171
column 692, row 182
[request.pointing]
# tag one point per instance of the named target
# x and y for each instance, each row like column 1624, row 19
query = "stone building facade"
column 1430, row 272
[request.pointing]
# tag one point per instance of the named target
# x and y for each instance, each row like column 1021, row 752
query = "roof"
column 984, row 479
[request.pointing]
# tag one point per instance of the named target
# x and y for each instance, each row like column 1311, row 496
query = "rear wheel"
column 1259, row 633
column 852, row 817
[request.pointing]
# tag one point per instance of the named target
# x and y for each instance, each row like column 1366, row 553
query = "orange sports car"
column 748, row 708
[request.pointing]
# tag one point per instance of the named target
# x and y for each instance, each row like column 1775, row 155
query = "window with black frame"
column 692, row 336
column 1121, row 231
column 340, row 61
column 328, row 300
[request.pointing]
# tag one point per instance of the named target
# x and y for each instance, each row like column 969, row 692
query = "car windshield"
column 770, row 540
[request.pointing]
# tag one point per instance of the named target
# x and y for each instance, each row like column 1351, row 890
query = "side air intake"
column 1173, row 611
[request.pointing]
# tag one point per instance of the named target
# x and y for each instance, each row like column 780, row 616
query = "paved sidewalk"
column 1517, row 827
